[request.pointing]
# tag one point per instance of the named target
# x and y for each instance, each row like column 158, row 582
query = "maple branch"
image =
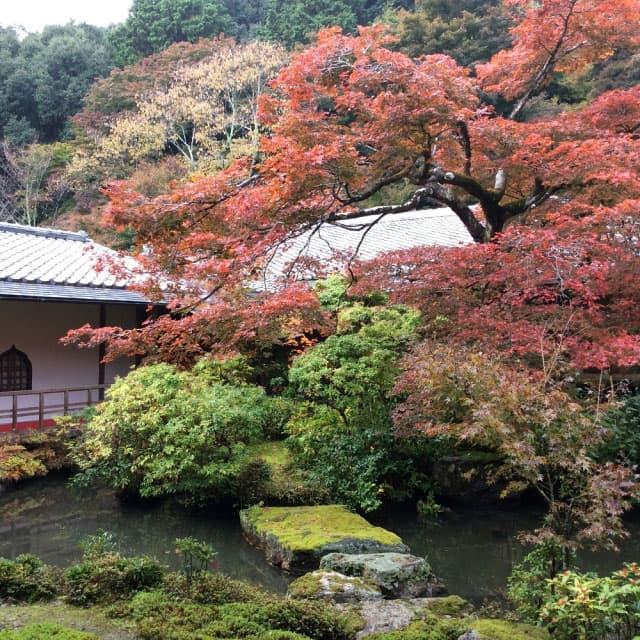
column 465, row 141
column 500, row 185
column 539, row 195
column 476, row 229
column 384, row 182
column 546, row 68
column 416, row 200
column 360, row 243
column 431, row 193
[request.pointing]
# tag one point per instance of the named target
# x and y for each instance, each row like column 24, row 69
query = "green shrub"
column 27, row 579
column 504, row 630
column 313, row 619
column 529, row 582
column 278, row 411
column 590, row 607
column 333, row 293
column 350, row 460
column 343, row 436
column 211, row 588
column 252, row 482
column 268, row 474
column 104, row 575
column 162, row 431
column 234, row 371
column 46, row 632
column 623, row 423
column 279, row 635
column 196, row 556
column 162, row 616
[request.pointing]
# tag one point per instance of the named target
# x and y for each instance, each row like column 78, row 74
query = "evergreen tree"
column 44, row 78
column 153, row 25
column 294, row 22
column 469, row 31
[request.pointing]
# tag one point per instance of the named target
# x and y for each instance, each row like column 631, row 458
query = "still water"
column 473, row 551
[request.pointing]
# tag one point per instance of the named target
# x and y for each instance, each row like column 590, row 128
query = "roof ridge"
column 44, row 232
column 411, row 214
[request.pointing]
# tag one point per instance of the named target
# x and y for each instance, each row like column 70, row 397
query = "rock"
column 398, row 575
column 470, row 635
column 418, row 615
column 393, row 615
column 295, row 538
column 334, row 587
column 385, row 616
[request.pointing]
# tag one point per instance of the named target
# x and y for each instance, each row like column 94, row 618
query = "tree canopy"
column 44, row 77
column 350, row 120
column 153, row 25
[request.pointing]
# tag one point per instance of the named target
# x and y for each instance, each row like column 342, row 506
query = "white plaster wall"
column 36, row 328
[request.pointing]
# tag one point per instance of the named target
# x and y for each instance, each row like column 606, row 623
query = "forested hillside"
column 81, row 105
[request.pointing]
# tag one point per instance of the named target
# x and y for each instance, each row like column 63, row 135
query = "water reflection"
column 473, row 551
column 49, row 519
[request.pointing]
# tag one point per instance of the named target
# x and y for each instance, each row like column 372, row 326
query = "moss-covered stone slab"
column 332, row 587
column 398, row 575
column 296, row 538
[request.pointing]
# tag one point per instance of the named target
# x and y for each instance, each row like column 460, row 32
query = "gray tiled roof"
column 427, row 227
column 48, row 264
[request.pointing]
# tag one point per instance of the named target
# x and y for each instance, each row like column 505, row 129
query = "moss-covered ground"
column 286, row 484
column 504, row 630
column 92, row 620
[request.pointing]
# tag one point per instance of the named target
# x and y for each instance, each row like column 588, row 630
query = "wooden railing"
column 34, row 409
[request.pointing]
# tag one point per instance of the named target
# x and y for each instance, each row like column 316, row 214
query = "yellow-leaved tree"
column 208, row 115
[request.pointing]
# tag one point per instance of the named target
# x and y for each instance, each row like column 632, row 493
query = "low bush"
column 27, row 579
column 432, row 628
column 37, row 453
column 505, row 630
column 211, row 588
column 161, row 616
column 110, row 578
column 104, row 575
column 589, row 607
column 17, row 463
column 622, row 421
column 46, row 632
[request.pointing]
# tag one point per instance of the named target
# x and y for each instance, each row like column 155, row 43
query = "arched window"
column 15, row 371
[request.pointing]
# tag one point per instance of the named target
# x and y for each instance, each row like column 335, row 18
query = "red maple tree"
column 562, row 296
column 351, row 124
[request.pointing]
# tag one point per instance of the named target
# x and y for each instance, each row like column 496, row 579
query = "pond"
column 473, row 551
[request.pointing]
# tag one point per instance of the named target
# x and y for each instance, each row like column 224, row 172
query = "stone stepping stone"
column 397, row 575
column 296, row 538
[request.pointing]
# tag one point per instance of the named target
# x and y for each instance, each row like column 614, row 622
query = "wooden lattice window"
column 15, row 371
